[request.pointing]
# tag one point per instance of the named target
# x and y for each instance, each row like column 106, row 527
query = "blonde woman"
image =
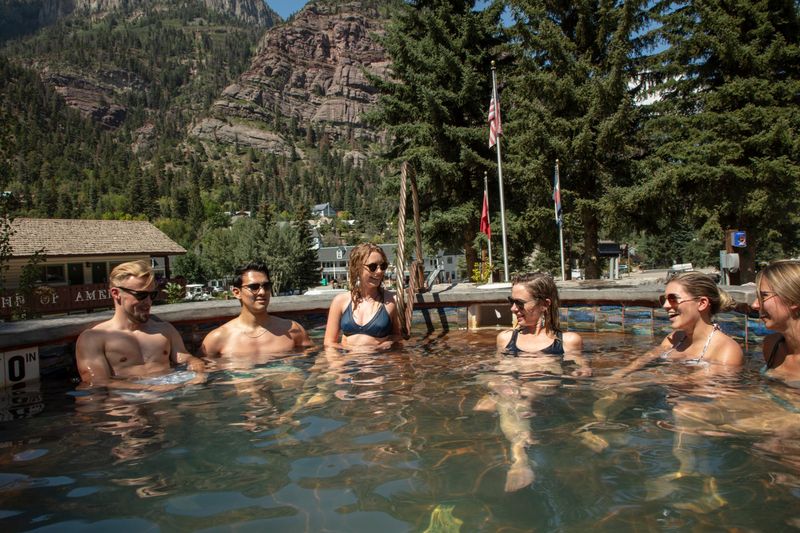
column 367, row 315
column 778, row 305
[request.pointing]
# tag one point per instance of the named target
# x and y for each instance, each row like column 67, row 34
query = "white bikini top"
column 694, row 360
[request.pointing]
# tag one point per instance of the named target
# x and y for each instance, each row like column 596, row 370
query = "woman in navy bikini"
column 534, row 302
column 531, row 366
column 367, row 315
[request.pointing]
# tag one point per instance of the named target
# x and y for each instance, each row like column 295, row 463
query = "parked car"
column 217, row 286
column 196, row 292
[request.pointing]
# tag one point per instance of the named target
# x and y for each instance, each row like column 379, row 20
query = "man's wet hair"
column 255, row 266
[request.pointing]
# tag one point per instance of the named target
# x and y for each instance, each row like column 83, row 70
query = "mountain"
column 122, row 61
column 18, row 17
column 175, row 112
column 311, row 71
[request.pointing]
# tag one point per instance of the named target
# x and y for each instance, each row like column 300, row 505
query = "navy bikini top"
column 379, row 326
column 557, row 348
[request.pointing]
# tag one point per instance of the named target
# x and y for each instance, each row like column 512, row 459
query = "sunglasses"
column 374, row 266
column 254, row 287
column 766, row 295
column 673, row 299
column 519, row 303
column 140, row 295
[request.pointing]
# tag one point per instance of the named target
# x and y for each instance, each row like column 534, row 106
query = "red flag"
column 495, row 126
column 485, row 227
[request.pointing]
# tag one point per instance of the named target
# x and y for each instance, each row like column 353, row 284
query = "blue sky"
column 284, row 8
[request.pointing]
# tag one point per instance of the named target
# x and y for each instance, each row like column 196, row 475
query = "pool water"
column 391, row 442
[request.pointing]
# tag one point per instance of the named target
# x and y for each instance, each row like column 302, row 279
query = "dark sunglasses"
column 673, row 299
column 374, row 266
column 140, row 295
column 519, row 303
column 254, row 287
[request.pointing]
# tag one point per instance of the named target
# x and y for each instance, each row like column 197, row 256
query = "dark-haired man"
column 254, row 333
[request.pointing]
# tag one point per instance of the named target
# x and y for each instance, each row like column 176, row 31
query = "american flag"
column 495, row 127
column 557, row 196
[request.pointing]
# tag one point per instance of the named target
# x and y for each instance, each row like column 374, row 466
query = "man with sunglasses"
column 255, row 333
column 132, row 343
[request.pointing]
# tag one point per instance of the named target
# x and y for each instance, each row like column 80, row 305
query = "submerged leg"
column 515, row 425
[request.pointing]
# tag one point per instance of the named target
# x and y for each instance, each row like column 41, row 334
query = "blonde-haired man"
column 131, row 343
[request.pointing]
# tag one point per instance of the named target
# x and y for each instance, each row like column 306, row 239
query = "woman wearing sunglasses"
column 708, row 357
column 691, row 300
column 367, row 315
column 778, row 305
column 534, row 354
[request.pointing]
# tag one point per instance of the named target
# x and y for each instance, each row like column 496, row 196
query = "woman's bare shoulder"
column 572, row 340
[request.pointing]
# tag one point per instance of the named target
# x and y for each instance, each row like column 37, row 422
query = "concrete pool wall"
column 33, row 348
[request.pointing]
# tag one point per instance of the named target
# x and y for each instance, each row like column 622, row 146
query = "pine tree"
column 434, row 103
column 567, row 98
column 724, row 135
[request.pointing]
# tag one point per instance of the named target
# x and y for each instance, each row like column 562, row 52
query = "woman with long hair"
column 367, row 315
column 532, row 362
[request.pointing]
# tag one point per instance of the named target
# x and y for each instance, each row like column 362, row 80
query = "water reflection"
column 361, row 442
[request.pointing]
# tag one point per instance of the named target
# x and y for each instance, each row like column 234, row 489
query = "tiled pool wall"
column 57, row 359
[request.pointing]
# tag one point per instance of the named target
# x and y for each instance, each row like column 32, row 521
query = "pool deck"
column 637, row 289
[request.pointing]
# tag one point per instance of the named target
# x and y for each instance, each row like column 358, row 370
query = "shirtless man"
column 131, row 343
column 254, row 333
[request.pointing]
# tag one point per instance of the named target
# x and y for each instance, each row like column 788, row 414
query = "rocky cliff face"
column 250, row 11
column 309, row 69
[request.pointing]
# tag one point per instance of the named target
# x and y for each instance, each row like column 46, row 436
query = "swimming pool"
column 383, row 442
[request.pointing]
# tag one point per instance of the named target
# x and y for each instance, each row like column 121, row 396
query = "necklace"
column 263, row 330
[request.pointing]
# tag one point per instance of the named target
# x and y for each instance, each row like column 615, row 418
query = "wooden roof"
column 70, row 237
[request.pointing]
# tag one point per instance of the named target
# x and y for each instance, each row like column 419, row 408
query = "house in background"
column 83, row 252
column 334, row 261
column 323, row 210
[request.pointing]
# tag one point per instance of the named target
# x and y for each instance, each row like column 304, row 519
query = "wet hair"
column 131, row 269
column 541, row 286
column 253, row 266
column 784, row 278
column 358, row 258
column 700, row 285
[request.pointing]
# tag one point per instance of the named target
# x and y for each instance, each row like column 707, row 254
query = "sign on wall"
column 19, row 366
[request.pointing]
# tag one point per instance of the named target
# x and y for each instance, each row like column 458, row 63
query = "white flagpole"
column 486, row 192
column 560, row 220
column 500, row 180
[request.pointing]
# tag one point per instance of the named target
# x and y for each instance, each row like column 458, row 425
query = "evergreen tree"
column 723, row 137
column 433, row 103
column 567, row 98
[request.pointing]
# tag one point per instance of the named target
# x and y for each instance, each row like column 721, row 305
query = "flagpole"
column 500, row 180
column 560, row 222
column 486, row 192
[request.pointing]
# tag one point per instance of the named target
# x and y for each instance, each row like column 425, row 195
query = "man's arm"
column 91, row 358
column 178, row 352
column 213, row 343
column 300, row 336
